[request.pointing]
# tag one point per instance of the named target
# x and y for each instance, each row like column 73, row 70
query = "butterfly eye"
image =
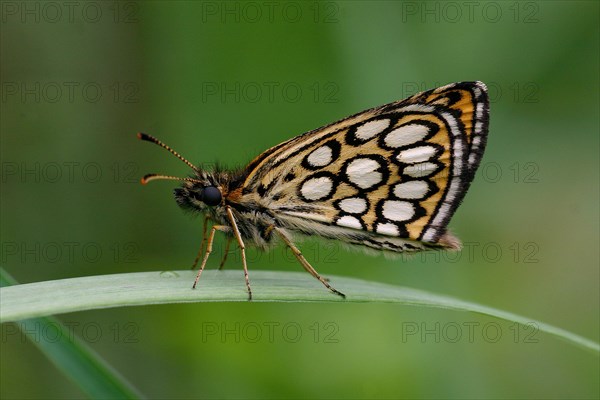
column 211, row 196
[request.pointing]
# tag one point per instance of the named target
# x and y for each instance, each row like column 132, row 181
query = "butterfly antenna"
column 149, row 138
column 155, row 177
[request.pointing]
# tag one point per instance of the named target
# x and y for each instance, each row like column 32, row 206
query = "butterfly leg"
column 305, row 263
column 226, row 252
column 238, row 236
column 202, row 243
column 211, row 238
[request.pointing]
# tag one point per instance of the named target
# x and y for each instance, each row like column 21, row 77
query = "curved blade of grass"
column 77, row 294
column 73, row 357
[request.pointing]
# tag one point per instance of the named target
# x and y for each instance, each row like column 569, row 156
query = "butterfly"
column 387, row 179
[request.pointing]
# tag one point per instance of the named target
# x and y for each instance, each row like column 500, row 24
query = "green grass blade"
column 73, row 357
column 77, row 294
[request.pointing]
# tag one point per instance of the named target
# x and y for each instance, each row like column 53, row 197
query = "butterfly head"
column 209, row 195
column 198, row 196
column 197, row 192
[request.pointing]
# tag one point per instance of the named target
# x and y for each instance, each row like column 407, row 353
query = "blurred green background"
column 223, row 81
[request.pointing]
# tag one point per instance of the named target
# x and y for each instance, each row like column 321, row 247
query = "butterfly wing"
column 388, row 178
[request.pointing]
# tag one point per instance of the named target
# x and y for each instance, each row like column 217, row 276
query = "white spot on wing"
column 417, row 107
column 398, row 210
column 429, row 234
column 349, row 222
column 317, row 188
column 421, row 170
column 320, row 157
column 480, row 108
column 411, row 190
column 416, row 154
column 478, row 126
column 362, row 172
column 388, row 229
column 371, row 129
column 353, row 205
column 405, row 135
